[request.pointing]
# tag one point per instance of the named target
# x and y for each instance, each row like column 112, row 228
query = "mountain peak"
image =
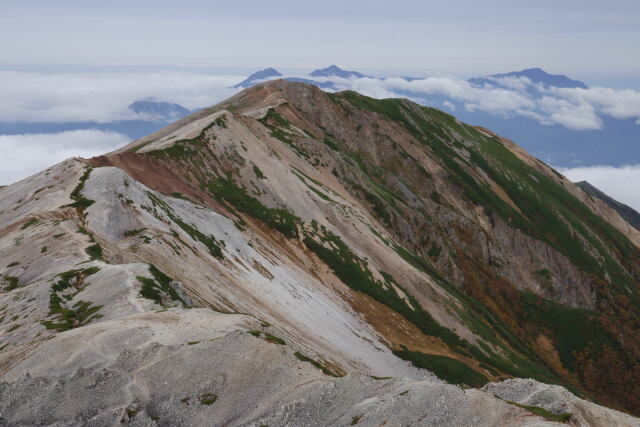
column 335, row 71
column 158, row 110
column 257, row 77
column 537, row 76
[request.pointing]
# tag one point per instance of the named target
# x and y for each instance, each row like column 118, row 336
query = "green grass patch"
column 559, row 418
column 134, row 232
column 66, row 318
column 445, row 368
column 318, row 365
column 258, row 172
column 279, row 219
column 80, row 201
column 154, row 289
column 94, row 251
column 208, row 398
column 32, row 221
column 9, row 283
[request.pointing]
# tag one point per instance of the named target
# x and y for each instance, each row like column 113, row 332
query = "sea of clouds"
column 24, row 155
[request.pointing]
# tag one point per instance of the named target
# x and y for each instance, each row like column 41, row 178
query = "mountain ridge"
column 626, row 212
column 361, row 231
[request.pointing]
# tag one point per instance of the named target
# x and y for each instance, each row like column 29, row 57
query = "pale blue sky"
column 587, row 39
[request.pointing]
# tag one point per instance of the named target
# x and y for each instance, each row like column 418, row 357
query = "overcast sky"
column 587, row 39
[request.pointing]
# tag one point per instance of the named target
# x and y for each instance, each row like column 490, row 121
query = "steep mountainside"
column 323, row 239
column 626, row 212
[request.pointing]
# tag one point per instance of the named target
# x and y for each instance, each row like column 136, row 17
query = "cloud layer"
column 102, row 97
column 23, row 155
column 620, row 183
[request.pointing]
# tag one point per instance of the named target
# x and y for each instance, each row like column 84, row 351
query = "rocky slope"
column 626, row 212
column 293, row 257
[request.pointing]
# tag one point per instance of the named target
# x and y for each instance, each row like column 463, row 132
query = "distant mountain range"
column 156, row 110
column 536, row 75
column 149, row 116
column 330, row 71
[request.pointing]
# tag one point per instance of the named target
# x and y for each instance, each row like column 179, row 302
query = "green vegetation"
column 94, row 251
column 575, row 330
column 355, row 419
column 353, row 272
column 208, row 398
column 73, row 278
column 318, row 365
column 434, row 250
column 214, row 246
column 14, row 327
column 139, row 147
column 221, row 121
column 279, row 219
column 185, row 148
column 32, row 221
column 81, row 202
column 446, row 368
column 559, row 418
column 378, row 207
column 43, row 249
column 268, row 337
column 161, row 283
column 303, row 177
column 80, row 314
column 134, row 232
column 258, row 172
column 9, row 283
column 276, row 125
column 331, row 143
column 551, row 213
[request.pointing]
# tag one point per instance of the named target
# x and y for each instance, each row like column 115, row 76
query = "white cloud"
column 512, row 82
column 103, row 97
column 450, row 105
column 576, row 116
column 617, row 103
column 23, row 155
column 621, row 183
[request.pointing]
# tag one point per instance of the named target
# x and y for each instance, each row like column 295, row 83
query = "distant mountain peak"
column 335, row 71
column 158, row 110
column 257, row 77
column 536, row 75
